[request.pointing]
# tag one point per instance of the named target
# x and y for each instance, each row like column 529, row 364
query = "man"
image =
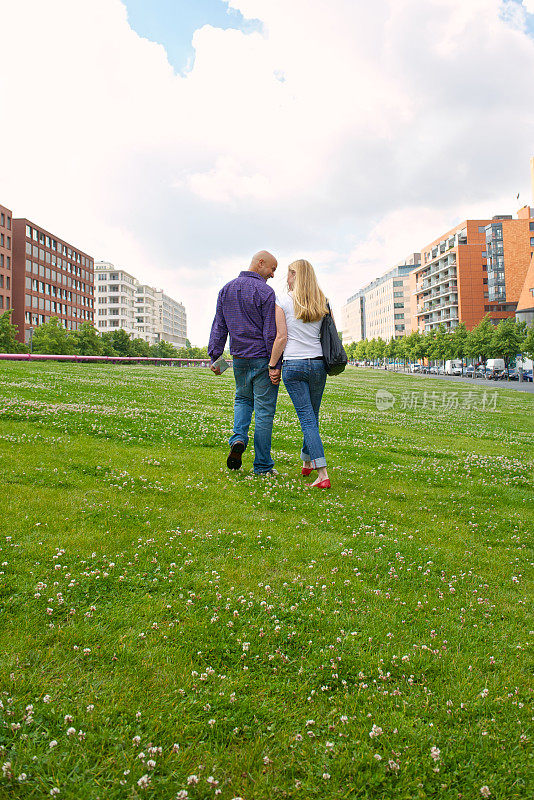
column 246, row 312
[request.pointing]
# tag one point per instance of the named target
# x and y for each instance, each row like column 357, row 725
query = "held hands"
column 275, row 375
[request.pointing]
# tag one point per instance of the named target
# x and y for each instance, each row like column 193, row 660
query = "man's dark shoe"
column 234, row 459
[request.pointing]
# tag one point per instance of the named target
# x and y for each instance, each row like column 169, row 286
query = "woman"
column 298, row 329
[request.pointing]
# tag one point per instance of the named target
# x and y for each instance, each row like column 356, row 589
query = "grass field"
column 169, row 629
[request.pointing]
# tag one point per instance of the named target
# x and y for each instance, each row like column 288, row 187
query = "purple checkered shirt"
column 245, row 312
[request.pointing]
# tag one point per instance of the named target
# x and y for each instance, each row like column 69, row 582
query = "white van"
column 453, row 367
column 495, row 364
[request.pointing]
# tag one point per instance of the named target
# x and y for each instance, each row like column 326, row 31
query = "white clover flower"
column 192, row 780
column 71, row 731
column 435, row 753
column 484, row 791
column 143, row 781
column 136, row 740
column 326, row 776
column 52, row 744
column 375, row 731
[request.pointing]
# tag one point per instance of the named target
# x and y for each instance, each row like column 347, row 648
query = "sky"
column 175, row 139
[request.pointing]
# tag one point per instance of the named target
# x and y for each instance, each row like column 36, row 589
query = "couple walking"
column 273, row 337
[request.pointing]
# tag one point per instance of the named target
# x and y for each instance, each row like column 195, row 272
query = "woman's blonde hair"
column 308, row 299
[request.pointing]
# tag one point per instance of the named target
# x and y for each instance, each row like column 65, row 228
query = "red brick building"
column 51, row 278
column 477, row 268
column 6, row 258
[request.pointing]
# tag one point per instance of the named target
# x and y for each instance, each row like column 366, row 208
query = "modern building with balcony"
column 51, row 278
column 171, row 319
column 6, row 258
column 147, row 313
column 115, row 298
column 477, row 268
column 142, row 311
column 382, row 307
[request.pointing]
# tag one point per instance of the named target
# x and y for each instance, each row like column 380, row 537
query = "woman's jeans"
column 305, row 379
column 254, row 392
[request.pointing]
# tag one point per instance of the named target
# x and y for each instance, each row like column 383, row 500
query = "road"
column 528, row 388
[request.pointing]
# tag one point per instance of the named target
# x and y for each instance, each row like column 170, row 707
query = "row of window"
column 5, row 263
column 5, row 302
column 6, row 280
column 65, row 250
column 40, row 319
column 56, row 291
column 57, row 261
column 5, row 241
column 58, row 277
column 5, row 221
column 44, row 304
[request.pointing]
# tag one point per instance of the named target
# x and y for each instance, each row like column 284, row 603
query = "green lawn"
column 169, row 629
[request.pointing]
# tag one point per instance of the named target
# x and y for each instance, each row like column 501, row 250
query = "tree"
column 402, row 350
column 528, row 343
column 122, row 344
column 507, row 341
column 140, row 348
column 361, row 350
column 380, row 348
column 52, row 338
column 164, row 349
column 107, row 344
column 459, row 343
column 440, row 348
column 8, row 335
column 392, row 350
column 480, row 340
column 87, row 340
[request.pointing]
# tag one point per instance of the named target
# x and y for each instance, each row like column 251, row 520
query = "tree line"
column 53, row 339
column 506, row 340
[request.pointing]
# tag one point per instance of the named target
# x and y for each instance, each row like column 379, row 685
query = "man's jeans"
column 305, row 379
column 254, row 392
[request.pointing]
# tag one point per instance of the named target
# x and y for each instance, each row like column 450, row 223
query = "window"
column 531, row 226
column 532, row 241
column 3, row 220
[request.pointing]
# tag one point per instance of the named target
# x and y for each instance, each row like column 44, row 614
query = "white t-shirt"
column 303, row 338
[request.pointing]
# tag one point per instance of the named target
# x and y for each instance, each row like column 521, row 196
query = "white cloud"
column 349, row 131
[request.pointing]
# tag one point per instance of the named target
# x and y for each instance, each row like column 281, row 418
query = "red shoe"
column 321, row 485
column 307, row 471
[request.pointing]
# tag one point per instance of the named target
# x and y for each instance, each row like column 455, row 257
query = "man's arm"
column 278, row 347
column 269, row 325
column 219, row 333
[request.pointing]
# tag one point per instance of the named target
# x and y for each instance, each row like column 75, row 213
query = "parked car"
column 513, row 375
column 527, row 375
column 480, row 372
column 441, row 370
column 469, row 372
column 433, row 370
column 495, row 364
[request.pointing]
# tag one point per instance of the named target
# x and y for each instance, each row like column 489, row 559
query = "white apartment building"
column 382, row 307
column 115, row 294
column 172, row 319
column 144, row 312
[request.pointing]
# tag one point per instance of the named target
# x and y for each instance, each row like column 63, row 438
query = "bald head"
column 264, row 264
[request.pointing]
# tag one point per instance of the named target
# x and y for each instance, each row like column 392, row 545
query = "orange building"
column 477, row 268
column 6, row 256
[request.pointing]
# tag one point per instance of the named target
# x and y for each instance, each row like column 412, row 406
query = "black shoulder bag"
column 335, row 357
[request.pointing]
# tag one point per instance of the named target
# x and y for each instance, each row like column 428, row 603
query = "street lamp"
column 31, row 339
